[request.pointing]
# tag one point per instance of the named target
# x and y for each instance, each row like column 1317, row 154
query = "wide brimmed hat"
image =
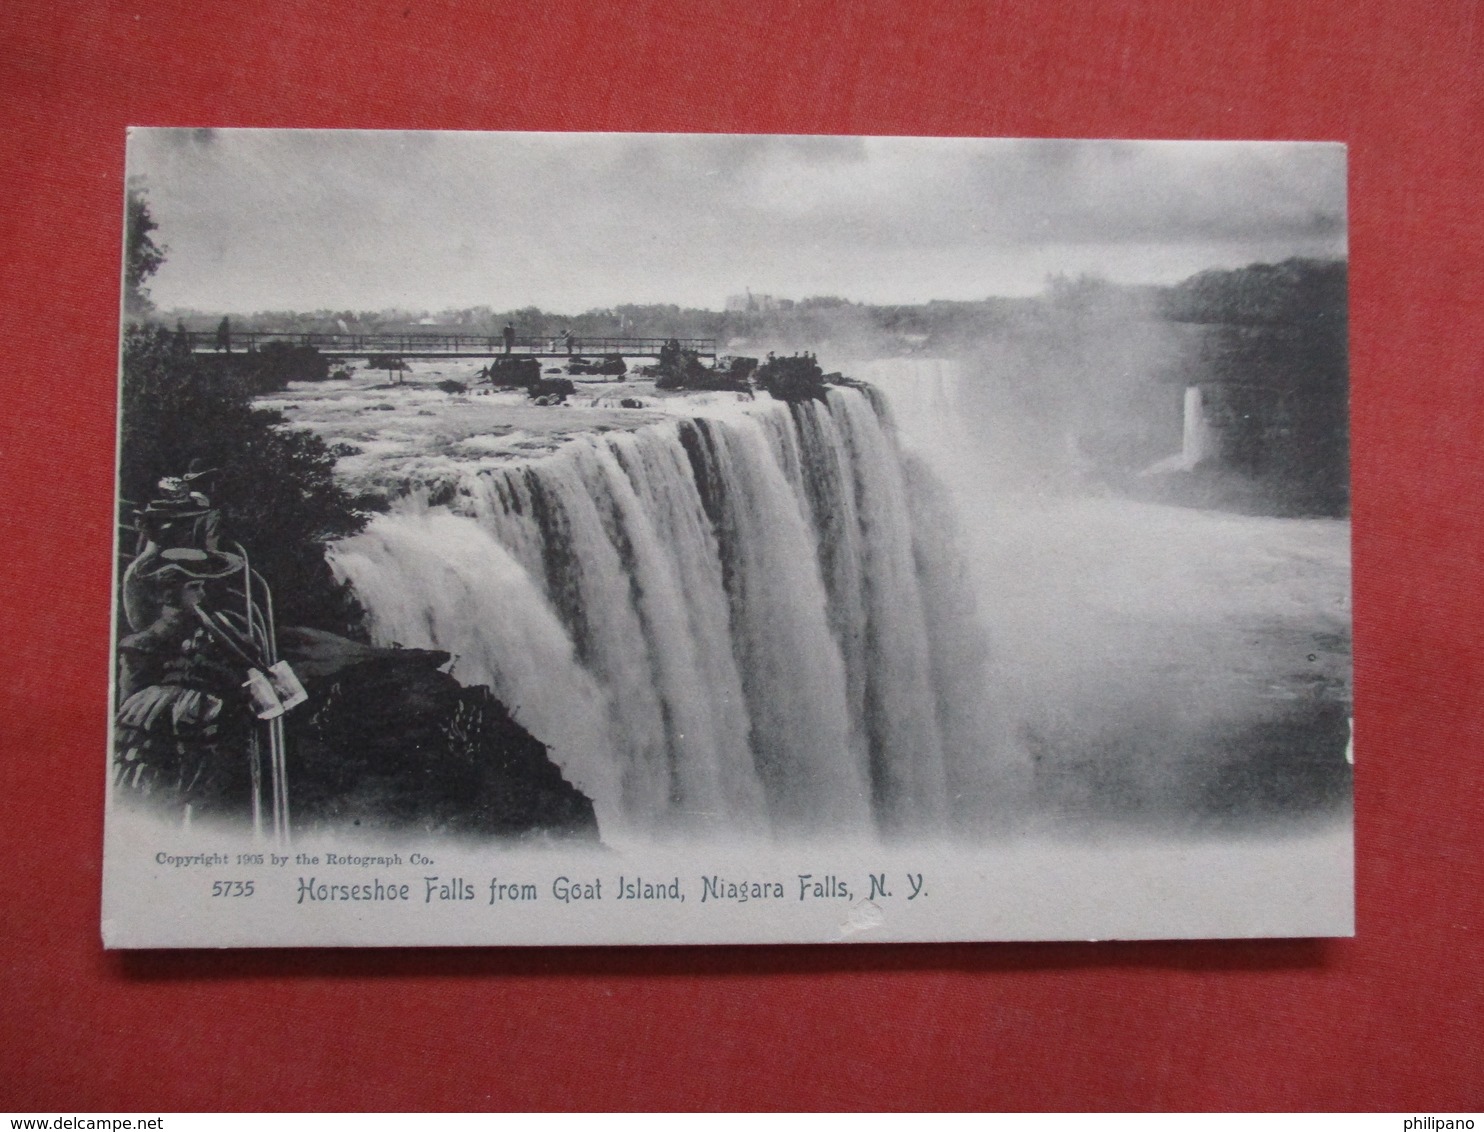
column 192, row 562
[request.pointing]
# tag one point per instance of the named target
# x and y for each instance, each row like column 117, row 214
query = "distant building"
column 753, row 304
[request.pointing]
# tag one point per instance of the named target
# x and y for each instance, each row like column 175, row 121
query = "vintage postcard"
column 615, row 539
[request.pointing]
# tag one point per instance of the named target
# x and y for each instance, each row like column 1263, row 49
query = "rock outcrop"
column 391, row 741
column 520, row 372
column 612, row 365
column 797, row 378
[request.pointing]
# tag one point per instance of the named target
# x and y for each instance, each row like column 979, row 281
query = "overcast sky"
column 281, row 219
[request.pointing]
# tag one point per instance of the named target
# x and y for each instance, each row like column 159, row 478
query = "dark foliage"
column 268, row 370
column 1308, row 291
column 1271, row 354
column 274, row 485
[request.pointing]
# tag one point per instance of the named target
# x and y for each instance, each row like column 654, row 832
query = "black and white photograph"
column 680, row 538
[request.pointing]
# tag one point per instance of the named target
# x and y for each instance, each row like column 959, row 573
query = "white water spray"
column 731, row 622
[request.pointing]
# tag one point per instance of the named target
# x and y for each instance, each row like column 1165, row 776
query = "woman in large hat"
column 182, row 715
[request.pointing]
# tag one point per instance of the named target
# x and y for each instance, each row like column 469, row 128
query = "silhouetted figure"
column 224, row 335
column 509, row 335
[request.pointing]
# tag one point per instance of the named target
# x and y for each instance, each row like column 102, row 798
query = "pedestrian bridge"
column 437, row 345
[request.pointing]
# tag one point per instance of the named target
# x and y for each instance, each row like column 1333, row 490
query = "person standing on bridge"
column 567, row 341
column 224, row 335
column 509, row 335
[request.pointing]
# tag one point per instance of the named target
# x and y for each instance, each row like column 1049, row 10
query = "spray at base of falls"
column 752, row 622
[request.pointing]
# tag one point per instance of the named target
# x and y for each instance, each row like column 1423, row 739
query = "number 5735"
column 231, row 888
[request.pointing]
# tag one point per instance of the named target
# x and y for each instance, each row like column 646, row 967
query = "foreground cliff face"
column 389, row 741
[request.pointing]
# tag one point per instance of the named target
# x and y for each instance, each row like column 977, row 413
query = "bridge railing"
column 420, row 343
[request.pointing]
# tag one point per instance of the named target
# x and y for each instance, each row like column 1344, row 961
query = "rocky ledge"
column 391, row 741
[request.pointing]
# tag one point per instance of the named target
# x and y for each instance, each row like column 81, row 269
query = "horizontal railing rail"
column 429, row 344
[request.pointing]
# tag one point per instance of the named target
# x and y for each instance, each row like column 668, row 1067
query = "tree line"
column 276, row 486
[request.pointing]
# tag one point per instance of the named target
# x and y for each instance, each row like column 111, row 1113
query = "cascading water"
column 933, row 415
column 748, row 620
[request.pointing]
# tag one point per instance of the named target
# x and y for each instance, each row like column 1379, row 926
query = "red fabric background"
column 1390, row 1020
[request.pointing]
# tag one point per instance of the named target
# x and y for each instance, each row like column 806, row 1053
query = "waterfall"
column 750, row 620
column 1199, row 442
column 946, row 444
